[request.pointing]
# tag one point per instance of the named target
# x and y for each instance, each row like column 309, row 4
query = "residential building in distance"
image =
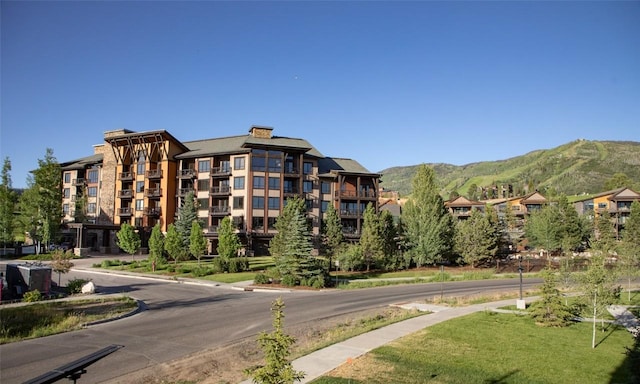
column 616, row 203
column 142, row 178
column 460, row 207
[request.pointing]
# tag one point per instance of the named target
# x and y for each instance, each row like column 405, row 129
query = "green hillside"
column 577, row 167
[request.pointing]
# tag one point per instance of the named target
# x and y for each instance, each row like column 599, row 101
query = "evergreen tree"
column 174, row 245
column 371, row 241
column 197, row 241
column 605, row 237
column 333, row 238
column 156, row 247
column 276, row 347
column 128, row 239
column 8, row 201
column 29, row 215
column 572, row 228
column 549, row 311
column 618, row 180
column 629, row 249
column 292, row 208
column 428, row 225
column 472, row 192
column 296, row 259
column 187, row 213
column 509, row 216
column 228, row 242
column 392, row 259
column 474, row 239
column 542, row 229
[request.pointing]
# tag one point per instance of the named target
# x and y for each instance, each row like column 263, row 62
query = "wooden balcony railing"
column 153, row 174
column 125, row 193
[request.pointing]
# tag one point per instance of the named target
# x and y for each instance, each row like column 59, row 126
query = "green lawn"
column 498, row 348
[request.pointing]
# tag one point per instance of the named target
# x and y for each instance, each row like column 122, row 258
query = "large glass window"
column 140, row 186
column 258, row 182
column 238, row 163
column 257, row 223
column 274, row 203
column 203, row 184
column 93, row 176
column 324, row 206
column 141, row 163
column 65, row 209
column 203, row 203
column 91, row 208
column 258, row 164
column 258, row 202
column 204, row 166
column 307, row 186
column 92, row 191
column 274, row 183
column 67, row 177
column 326, row 187
column 139, row 205
column 275, row 164
column 238, row 202
column 238, row 183
column 66, row 193
column 307, row 168
column 271, row 222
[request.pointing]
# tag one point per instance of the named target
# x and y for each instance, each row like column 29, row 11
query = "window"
column 139, row 205
column 138, row 222
column 204, row 166
column 225, row 166
column 238, row 183
column 271, row 222
column 238, row 202
column 274, row 203
column 92, row 191
column 258, row 182
column 274, row 183
column 258, row 202
column 307, row 186
column 307, row 168
column 326, row 187
column 93, row 176
column 67, row 177
column 258, row 163
column 141, row 163
column 602, row 205
column 65, row 209
column 139, row 186
column 324, row 206
column 308, row 204
column 203, row 203
column 289, row 187
column 66, row 193
column 238, row 163
column 91, row 208
column 203, row 185
column 275, row 164
column 257, row 223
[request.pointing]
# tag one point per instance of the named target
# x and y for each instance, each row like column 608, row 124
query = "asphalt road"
column 180, row 319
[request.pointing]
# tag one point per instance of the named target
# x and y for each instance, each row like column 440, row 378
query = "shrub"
column 75, row 285
column 289, row 280
column 261, row 278
column 201, row 271
column 32, row 296
column 219, row 265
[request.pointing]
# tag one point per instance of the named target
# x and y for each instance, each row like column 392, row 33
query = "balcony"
column 220, row 171
column 125, row 193
column 187, row 173
column 213, row 229
column 291, row 172
column 219, row 210
column 153, row 174
column 126, row 176
column 78, row 182
column 153, row 192
column 345, row 213
column 291, row 192
column 184, row 191
column 125, row 212
column 153, row 212
column 223, row 190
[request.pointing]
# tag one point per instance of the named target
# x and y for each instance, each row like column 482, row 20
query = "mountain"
column 578, row 167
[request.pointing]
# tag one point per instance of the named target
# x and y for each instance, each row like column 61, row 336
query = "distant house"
column 460, row 207
column 617, row 203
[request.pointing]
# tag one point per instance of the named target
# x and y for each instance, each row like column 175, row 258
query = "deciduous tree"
column 61, row 262
column 475, row 240
column 371, row 241
column 228, row 242
column 128, row 239
column 8, row 201
column 428, row 225
column 542, row 229
column 156, row 247
column 197, row 242
column 174, row 245
column 629, row 249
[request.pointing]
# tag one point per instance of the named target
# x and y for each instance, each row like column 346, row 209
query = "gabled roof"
column 81, row 163
column 462, row 201
column 243, row 144
column 533, row 198
column 331, row 166
column 623, row 193
column 142, row 137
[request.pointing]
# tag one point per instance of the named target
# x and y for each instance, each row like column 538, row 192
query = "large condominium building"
column 142, row 178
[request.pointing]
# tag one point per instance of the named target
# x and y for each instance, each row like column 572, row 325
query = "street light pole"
column 520, row 304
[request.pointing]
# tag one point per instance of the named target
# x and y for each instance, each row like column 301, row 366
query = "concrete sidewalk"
column 325, row 360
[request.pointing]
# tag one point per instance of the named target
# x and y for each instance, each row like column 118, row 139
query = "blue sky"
column 384, row 83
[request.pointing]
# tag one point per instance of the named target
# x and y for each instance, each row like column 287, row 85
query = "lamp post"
column 520, row 304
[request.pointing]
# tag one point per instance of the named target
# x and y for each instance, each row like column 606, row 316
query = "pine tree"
column 549, row 311
column 371, row 242
column 428, row 225
column 197, row 242
column 276, row 347
column 156, row 247
column 228, row 241
column 128, row 239
column 187, row 213
column 293, row 207
column 572, row 228
column 475, row 240
column 389, row 231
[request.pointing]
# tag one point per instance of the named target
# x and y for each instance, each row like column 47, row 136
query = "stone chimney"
column 260, row 132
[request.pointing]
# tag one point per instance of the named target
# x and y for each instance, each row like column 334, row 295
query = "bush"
column 201, row 271
column 262, row 278
column 75, row 285
column 289, row 280
column 32, row 296
column 219, row 265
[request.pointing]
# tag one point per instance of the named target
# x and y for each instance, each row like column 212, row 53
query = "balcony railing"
column 184, row 191
column 290, row 171
column 125, row 211
column 153, row 192
column 221, row 190
column 76, row 182
column 219, row 210
column 126, row 176
column 125, row 193
column 152, row 212
column 153, row 174
column 187, row 173
column 220, row 171
column 349, row 213
column 291, row 191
